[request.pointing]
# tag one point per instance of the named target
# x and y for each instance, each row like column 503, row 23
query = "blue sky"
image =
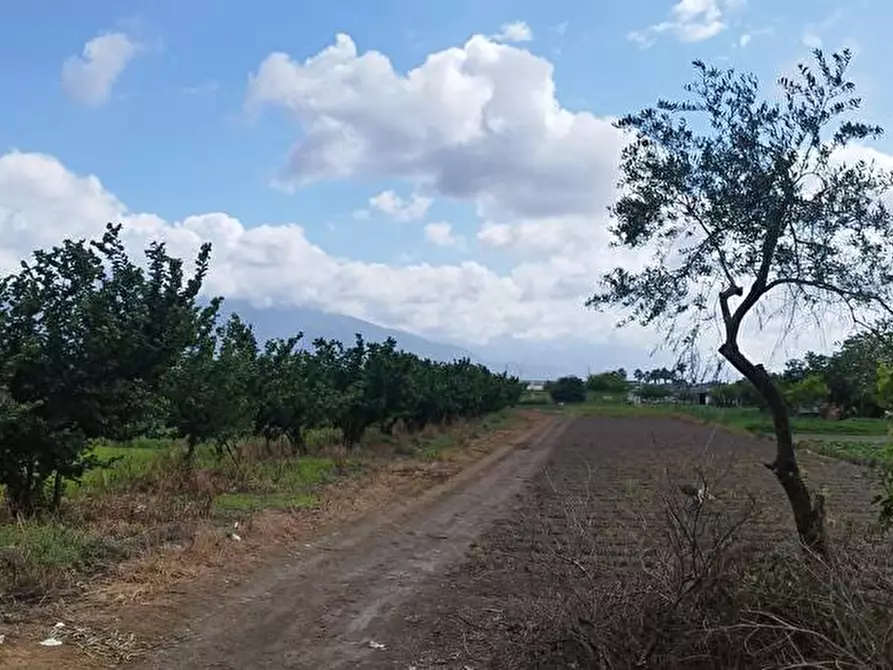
column 177, row 134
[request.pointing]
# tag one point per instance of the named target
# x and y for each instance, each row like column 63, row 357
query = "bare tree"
column 748, row 199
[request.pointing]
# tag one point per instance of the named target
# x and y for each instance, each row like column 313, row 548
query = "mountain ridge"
column 282, row 322
column 526, row 359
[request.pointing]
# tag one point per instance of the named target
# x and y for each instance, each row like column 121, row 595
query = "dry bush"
column 707, row 591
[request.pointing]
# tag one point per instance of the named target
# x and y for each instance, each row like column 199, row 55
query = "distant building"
column 535, row 385
column 702, row 393
column 698, row 394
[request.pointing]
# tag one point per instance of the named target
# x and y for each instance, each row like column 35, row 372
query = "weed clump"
column 706, row 593
column 36, row 558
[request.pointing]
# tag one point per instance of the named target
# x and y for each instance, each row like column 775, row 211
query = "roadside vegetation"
column 133, row 417
column 751, row 419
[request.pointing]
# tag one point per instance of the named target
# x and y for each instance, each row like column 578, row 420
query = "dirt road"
column 333, row 603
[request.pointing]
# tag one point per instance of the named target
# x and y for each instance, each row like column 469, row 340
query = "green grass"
column 431, row 448
column 44, row 556
column 535, row 398
column 742, row 418
column 133, row 462
column 498, row 420
column 280, row 484
column 866, row 427
column 320, row 437
column 137, row 458
column 605, row 398
column 293, row 473
column 871, row 454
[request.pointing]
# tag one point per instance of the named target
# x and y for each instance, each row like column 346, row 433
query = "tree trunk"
column 16, row 499
column 387, row 426
column 298, row 442
column 189, row 456
column 20, row 491
column 57, row 492
column 809, row 514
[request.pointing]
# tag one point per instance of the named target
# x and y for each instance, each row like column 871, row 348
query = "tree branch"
column 724, row 296
column 711, row 239
column 829, row 288
column 758, row 288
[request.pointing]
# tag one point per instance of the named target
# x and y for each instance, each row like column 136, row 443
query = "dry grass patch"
column 177, row 547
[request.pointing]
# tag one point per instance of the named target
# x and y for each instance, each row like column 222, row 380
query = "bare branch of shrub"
column 703, row 591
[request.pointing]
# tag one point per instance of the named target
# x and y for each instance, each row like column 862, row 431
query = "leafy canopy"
column 811, row 390
column 731, row 190
column 86, row 336
column 94, row 346
column 569, row 389
column 608, row 382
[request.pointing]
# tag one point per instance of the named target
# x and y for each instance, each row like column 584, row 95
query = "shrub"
column 608, row 382
column 706, row 594
column 567, row 389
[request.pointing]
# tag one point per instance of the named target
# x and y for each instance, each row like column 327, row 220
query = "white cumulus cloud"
column 516, row 31
column 479, row 122
column 441, row 234
column 401, row 210
column 689, row 21
column 42, row 202
column 572, row 236
column 90, row 77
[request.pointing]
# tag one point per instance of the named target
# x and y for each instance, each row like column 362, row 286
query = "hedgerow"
column 94, row 345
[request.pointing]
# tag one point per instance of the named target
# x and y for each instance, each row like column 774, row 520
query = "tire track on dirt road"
column 323, row 607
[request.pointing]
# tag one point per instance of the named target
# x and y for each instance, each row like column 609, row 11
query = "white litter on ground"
column 52, row 641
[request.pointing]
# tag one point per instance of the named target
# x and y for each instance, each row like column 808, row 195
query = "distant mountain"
column 525, row 359
column 567, row 356
column 272, row 322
